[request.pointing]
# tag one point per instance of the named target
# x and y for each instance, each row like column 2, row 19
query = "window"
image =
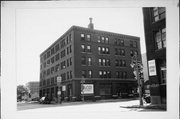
column 122, row 52
column 52, row 51
column 67, row 62
column 70, row 61
column 89, row 61
column 48, row 62
column 57, row 57
column 131, row 43
column 104, row 62
column 102, row 40
column 88, row 48
column 107, row 40
column 83, row 60
column 52, row 70
column 103, row 50
column 57, row 68
column 70, row 49
column 107, row 50
column 63, row 43
column 48, row 54
column 123, row 63
column 120, row 62
column 57, row 47
column 108, row 74
column 160, row 38
column 63, row 76
column 68, row 77
column 121, row 42
column 67, row 50
column 52, row 60
column 99, row 39
column 158, row 13
column 70, row 74
column 63, row 53
column 70, row 38
column 89, row 74
column 44, row 56
column 100, row 74
column 108, row 62
column 116, row 62
column 67, row 39
column 116, row 51
column 135, row 44
column 63, row 65
column 88, row 37
column 124, row 75
column 82, row 48
column 99, row 50
column 117, row 74
column 83, row 74
column 100, row 62
column 48, row 72
column 82, row 37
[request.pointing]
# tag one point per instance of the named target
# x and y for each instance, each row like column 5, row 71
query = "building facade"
column 155, row 36
column 91, row 63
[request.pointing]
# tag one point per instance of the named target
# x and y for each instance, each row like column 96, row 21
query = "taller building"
column 98, row 60
column 155, row 36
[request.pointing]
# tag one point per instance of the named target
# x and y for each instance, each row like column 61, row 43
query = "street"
column 120, row 105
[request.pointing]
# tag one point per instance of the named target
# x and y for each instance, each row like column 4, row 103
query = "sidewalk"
column 148, row 107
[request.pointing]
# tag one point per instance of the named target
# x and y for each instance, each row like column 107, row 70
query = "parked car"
column 147, row 98
column 44, row 100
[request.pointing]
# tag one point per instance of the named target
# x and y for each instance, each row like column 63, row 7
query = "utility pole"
column 137, row 65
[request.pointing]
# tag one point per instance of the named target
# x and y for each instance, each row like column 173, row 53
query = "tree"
column 21, row 91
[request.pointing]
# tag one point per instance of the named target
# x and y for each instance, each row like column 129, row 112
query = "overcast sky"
column 37, row 29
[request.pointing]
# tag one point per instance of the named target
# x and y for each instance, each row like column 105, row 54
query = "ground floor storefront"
column 78, row 89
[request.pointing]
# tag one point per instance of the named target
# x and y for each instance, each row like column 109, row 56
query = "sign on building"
column 152, row 67
column 87, row 89
column 64, row 88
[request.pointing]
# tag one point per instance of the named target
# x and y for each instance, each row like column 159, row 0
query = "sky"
column 37, row 29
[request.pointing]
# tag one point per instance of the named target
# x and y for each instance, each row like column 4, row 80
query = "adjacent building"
column 90, row 63
column 33, row 89
column 155, row 36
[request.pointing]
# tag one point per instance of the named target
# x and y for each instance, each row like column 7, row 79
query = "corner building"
column 98, row 58
column 155, row 37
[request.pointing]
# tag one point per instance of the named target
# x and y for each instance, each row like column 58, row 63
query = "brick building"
column 100, row 58
column 155, row 37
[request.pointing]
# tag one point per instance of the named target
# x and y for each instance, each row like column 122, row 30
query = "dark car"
column 44, row 100
column 147, row 98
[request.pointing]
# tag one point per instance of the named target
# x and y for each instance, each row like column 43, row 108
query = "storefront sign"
column 63, row 88
column 87, row 89
column 152, row 68
column 154, row 85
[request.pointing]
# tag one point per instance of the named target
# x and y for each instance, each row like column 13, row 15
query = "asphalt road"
column 123, row 105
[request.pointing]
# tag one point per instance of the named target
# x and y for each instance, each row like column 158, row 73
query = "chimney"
column 91, row 25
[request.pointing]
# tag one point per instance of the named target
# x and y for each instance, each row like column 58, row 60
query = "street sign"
column 152, row 68
column 63, row 88
column 59, row 79
column 59, row 92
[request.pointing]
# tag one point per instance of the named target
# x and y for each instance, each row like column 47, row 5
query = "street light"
column 59, row 79
column 137, row 65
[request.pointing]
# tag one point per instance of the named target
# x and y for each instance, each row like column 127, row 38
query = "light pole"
column 136, row 65
column 82, row 88
column 59, row 79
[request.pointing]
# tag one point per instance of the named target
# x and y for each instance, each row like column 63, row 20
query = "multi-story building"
column 155, row 37
column 98, row 60
column 33, row 88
